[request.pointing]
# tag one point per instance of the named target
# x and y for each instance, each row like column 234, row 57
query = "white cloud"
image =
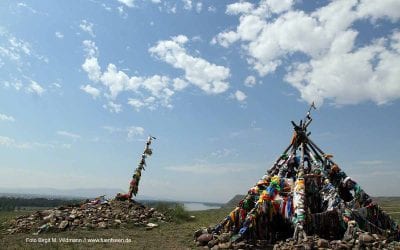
column 6, row 118
column 68, row 134
column 209, row 77
column 113, row 107
column 239, row 8
column 94, row 92
column 12, row 143
column 222, row 153
column 122, row 12
column 90, row 48
column 240, row 96
column 348, row 76
column 250, row 81
column 17, row 51
column 59, row 35
column 35, row 88
column 278, row 6
column 87, row 27
column 136, row 103
column 14, row 83
column 225, row 39
column 332, row 67
column 131, row 131
column 128, row 3
column 24, row 5
column 199, row 7
column 187, row 4
column 6, row 141
column 92, row 67
column 15, row 48
column 217, row 169
column 212, row 8
column 180, row 84
column 157, row 88
column 134, row 131
column 379, row 9
column 374, row 163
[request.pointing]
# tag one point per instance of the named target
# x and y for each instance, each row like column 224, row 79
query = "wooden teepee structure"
column 304, row 193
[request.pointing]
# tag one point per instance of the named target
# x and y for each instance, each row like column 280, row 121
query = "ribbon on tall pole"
column 134, row 184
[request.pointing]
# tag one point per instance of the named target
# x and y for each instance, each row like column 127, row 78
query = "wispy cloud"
column 222, row 153
column 68, row 134
column 59, row 35
column 128, row 3
column 26, row 6
column 240, row 96
column 87, row 27
column 211, row 168
column 131, row 132
column 6, row 118
column 134, row 131
column 15, row 49
column 35, row 88
column 94, row 92
column 372, row 162
column 12, row 143
column 113, row 107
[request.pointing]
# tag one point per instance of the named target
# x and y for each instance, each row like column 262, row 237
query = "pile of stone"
column 363, row 241
column 204, row 237
column 96, row 214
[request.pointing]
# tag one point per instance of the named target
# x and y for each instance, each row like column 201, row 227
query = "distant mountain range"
column 234, row 201
column 59, row 193
column 68, row 194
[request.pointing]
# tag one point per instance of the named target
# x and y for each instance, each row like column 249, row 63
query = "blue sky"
column 82, row 84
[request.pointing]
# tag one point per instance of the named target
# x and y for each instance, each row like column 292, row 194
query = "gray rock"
column 365, row 238
column 63, row 224
column 224, row 237
column 322, row 243
column 226, row 245
column 212, row 243
column 205, row 238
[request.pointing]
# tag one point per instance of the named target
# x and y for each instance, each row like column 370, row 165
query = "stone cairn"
column 305, row 201
column 96, row 214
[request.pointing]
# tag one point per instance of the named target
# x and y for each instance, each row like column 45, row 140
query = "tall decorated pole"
column 134, row 184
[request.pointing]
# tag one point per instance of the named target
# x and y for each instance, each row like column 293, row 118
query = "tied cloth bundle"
column 134, row 184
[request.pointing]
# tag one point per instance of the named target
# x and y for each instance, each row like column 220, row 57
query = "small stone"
column 323, row 243
column 239, row 245
column 365, row 238
column 204, row 238
column 200, row 232
column 102, row 224
column 216, row 247
column 226, row 245
column 224, row 237
column 212, row 243
column 376, row 237
column 151, row 225
column 63, row 224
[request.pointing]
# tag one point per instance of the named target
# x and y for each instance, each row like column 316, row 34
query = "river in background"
column 194, row 206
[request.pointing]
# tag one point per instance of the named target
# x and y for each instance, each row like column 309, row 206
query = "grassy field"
column 172, row 235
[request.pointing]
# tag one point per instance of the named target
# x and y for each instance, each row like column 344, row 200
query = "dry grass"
column 172, row 235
